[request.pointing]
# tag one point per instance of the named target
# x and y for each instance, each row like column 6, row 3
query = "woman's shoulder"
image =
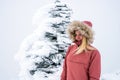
column 95, row 53
column 94, row 50
column 73, row 44
column 70, row 46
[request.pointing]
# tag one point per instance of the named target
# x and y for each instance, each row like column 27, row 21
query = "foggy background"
column 16, row 24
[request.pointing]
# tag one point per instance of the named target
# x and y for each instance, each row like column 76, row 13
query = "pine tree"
column 43, row 57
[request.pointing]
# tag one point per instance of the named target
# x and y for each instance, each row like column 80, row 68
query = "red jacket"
column 83, row 66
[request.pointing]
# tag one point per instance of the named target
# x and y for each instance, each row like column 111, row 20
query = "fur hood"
column 85, row 27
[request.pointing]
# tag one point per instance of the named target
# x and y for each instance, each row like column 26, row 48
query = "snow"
column 111, row 76
column 41, row 15
column 41, row 53
column 35, row 47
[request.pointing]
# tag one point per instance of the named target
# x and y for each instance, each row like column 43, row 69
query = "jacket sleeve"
column 64, row 71
column 95, row 66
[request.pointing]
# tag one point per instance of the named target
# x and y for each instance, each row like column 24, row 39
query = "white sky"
column 16, row 24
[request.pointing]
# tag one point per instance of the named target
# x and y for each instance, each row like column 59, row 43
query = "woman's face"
column 78, row 36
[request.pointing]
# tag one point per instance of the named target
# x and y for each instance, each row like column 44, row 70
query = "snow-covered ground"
column 111, row 76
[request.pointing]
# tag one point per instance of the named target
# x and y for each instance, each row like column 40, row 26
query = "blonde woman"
column 82, row 61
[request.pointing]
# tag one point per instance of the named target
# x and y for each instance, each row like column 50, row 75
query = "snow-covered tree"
column 41, row 54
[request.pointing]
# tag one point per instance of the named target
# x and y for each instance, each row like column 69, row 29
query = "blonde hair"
column 84, row 46
column 86, row 32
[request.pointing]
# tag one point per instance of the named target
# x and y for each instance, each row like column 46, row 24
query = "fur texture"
column 83, row 28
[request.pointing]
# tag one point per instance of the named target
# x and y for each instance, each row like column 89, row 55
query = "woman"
column 82, row 61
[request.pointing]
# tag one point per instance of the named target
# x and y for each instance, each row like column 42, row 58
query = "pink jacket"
column 84, row 66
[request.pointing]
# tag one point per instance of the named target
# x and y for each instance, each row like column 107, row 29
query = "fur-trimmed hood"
column 85, row 27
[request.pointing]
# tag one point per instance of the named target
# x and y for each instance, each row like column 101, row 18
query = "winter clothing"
column 78, row 43
column 84, row 27
column 88, row 23
column 84, row 66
